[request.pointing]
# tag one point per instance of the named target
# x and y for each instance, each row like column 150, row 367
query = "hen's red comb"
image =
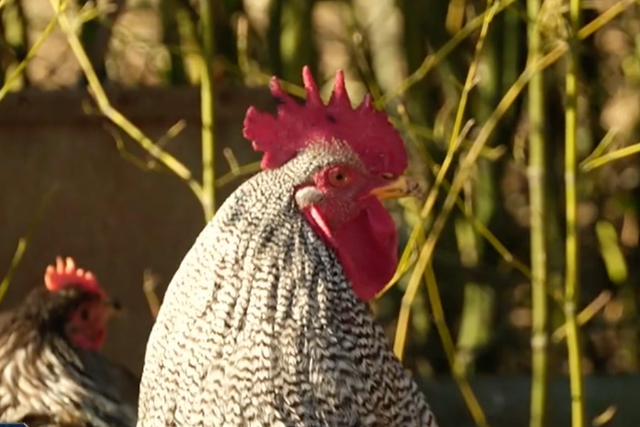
column 367, row 131
column 65, row 273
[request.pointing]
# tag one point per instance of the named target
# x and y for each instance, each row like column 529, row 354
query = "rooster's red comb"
column 65, row 273
column 367, row 131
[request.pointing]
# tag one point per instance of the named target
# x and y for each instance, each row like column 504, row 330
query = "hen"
column 265, row 322
column 51, row 370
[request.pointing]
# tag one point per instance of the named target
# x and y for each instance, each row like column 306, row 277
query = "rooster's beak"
column 400, row 187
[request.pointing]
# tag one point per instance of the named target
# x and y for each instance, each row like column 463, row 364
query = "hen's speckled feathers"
column 260, row 327
column 46, row 380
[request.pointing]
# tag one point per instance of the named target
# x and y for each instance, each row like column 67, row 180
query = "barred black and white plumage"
column 260, row 326
column 46, row 380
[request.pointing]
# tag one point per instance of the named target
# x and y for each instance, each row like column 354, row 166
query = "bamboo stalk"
column 437, row 310
column 618, row 154
column 429, row 63
column 449, row 348
column 290, row 38
column 149, row 285
column 102, row 101
column 23, row 242
column 572, row 238
column 426, row 252
column 481, row 140
column 95, row 35
column 169, row 15
column 415, row 279
column 14, row 39
column 17, row 73
column 273, row 36
column 207, row 110
column 537, row 194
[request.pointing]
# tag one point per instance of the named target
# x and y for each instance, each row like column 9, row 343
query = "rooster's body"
column 260, row 325
column 47, row 379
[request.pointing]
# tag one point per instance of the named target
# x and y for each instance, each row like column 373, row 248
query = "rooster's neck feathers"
column 260, row 326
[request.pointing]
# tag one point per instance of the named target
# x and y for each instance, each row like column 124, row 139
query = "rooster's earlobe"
column 308, row 196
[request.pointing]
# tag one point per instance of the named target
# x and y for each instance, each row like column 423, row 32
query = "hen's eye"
column 388, row 176
column 338, row 178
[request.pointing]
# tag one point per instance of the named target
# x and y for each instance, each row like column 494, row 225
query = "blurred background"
column 102, row 140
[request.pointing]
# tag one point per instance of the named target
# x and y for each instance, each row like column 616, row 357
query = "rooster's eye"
column 84, row 314
column 388, row 176
column 338, row 178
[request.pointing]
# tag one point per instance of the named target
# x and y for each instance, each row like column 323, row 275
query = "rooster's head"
column 358, row 159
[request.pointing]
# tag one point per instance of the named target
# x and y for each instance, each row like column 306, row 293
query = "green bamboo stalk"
column 449, row 348
column 102, row 101
column 415, row 31
column 511, row 48
column 453, row 145
column 169, row 14
column 225, row 13
column 273, row 36
column 3, row 43
column 482, row 201
column 621, row 153
column 431, row 61
column 207, row 110
column 290, row 38
column 24, row 241
column 475, row 324
column 467, row 164
column 486, row 131
column 572, row 242
column 15, row 39
column 537, row 194
column 95, row 35
column 16, row 74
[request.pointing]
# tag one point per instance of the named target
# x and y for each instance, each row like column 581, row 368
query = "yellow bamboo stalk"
column 207, row 109
column 572, row 237
column 537, row 195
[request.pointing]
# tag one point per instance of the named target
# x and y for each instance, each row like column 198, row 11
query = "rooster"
column 51, row 370
column 265, row 322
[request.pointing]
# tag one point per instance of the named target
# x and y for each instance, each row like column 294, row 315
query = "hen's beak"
column 401, row 187
column 114, row 308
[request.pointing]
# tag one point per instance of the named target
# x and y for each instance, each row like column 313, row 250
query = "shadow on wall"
column 109, row 214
